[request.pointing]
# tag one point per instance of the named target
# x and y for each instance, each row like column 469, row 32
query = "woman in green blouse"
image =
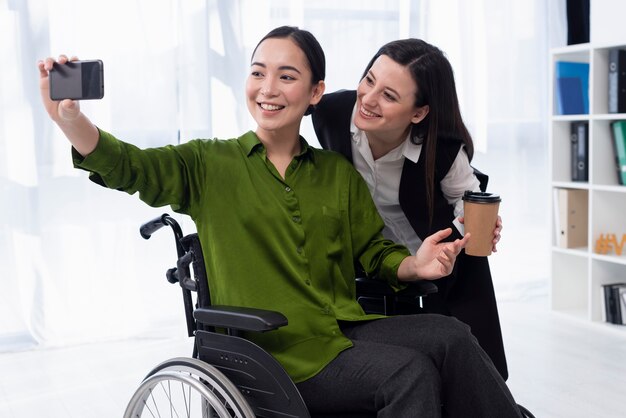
column 281, row 225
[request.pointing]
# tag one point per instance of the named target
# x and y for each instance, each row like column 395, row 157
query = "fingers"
column 66, row 109
column 69, row 105
column 48, row 63
column 446, row 258
column 496, row 238
column 446, row 265
column 496, row 232
column 461, row 243
column 450, row 251
column 439, row 235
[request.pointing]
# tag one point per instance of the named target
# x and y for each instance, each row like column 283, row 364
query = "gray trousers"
column 410, row 366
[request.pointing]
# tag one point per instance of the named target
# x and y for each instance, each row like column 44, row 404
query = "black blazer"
column 467, row 293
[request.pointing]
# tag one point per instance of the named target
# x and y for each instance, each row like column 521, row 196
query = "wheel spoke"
column 189, row 405
column 168, row 395
column 203, row 392
column 147, row 406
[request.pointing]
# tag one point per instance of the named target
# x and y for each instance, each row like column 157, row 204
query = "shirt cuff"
column 107, row 146
column 102, row 160
column 389, row 269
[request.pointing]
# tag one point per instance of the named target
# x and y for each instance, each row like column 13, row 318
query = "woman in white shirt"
column 403, row 131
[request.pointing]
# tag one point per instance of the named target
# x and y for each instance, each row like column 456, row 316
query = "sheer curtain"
column 74, row 268
column 499, row 52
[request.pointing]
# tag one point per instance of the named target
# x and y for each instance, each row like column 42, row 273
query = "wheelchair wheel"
column 187, row 387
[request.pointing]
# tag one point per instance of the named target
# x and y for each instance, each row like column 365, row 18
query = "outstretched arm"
column 66, row 113
column 434, row 259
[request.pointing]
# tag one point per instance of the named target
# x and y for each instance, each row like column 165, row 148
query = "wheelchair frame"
column 231, row 376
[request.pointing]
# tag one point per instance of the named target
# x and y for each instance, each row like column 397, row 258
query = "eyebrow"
column 371, row 74
column 282, row 67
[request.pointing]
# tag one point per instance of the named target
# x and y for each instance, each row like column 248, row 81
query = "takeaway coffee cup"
column 481, row 215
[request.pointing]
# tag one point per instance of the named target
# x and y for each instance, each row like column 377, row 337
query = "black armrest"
column 239, row 318
column 365, row 286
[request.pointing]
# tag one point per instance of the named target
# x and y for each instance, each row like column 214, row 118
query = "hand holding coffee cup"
column 481, row 217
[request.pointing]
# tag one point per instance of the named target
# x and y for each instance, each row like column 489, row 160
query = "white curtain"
column 74, row 268
column 499, row 51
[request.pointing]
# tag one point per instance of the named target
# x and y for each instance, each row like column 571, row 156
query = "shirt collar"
column 251, row 143
column 410, row 150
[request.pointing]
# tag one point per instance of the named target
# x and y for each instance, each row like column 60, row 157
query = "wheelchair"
column 227, row 375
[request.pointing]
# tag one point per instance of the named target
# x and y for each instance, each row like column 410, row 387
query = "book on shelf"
column 572, row 87
column 622, row 303
column 618, row 130
column 579, row 134
column 617, row 80
column 571, row 209
column 614, row 303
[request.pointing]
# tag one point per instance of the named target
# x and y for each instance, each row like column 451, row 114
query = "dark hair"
column 309, row 45
column 436, row 88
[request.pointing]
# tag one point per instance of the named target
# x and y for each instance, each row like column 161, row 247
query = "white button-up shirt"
column 383, row 179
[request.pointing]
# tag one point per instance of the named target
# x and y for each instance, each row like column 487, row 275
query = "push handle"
column 146, row 230
column 181, row 273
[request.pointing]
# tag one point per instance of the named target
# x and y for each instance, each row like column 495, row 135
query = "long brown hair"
column 436, row 88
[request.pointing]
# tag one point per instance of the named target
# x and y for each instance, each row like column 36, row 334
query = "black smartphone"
column 77, row 80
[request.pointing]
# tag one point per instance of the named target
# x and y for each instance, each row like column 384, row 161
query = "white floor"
column 564, row 367
column 559, row 367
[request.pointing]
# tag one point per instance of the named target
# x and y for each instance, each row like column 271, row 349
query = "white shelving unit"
column 577, row 275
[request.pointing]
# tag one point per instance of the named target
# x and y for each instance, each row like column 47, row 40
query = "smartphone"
column 77, row 80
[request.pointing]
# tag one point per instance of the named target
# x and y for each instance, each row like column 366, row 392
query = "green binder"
column 619, row 146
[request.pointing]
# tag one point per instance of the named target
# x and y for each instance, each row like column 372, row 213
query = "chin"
column 364, row 124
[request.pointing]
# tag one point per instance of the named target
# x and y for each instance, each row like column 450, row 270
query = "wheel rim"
column 178, row 394
column 215, row 380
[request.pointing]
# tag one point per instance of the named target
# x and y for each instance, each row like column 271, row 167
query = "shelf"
column 570, row 118
column 608, row 116
column 617, row 259
column 571, row 185
column 580, row 252
column 571, row 49
column 611, row 189
column 578, row 274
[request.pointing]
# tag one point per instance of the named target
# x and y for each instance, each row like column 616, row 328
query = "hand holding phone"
column 77, row 80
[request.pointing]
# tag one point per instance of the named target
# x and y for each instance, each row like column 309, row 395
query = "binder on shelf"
column 571, row 217
column 579, row 150
column 572, row 87
column 618, row 129
column 617, row 80
column 614, row 303
column 622, row 303
column 607, row 304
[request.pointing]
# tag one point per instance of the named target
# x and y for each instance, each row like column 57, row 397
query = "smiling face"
column 386, row 102
column 279, row 88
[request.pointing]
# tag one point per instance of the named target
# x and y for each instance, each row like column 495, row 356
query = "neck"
column 282, row 144
column 380, row 145
column 281, row 147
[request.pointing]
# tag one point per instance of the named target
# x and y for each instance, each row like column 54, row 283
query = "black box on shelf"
column 579, row 135
column 617, row 80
